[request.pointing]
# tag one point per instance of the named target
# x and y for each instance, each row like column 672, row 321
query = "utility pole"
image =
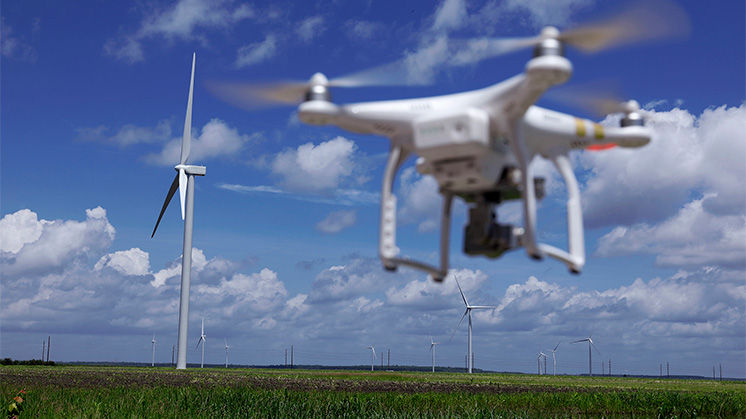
column 609, row 366
column 661, row 367
column 388, row 363
column 49, row 343
column 286, row 357
column 603, row 368
column 44, row 345
column 713, row 373
column 721, row 372
column 472, row 361
column 291, row 357
column 668, row 370
column 173, row 350
column 466, row 362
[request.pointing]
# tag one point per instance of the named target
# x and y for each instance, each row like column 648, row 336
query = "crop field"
column 128, row 392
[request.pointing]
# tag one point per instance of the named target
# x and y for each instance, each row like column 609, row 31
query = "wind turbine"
column 554, row 359
column 432, row 349
column 153, row 363
column 538, row 362
column 184, row 182
column 469, row 308
column 202, row 340
column 590, row 344
column 226, row 352
column 372, row 356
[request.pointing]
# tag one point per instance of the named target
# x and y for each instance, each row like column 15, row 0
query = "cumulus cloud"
column 127, row 262
column 256, row 52
column 185, row 20
column 43, row 247
column 342, row 282
column 315, row 168
column 337, row 221
column 216, row 139
column 419, row 200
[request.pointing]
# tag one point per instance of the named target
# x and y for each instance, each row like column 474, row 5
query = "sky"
column 92, row 102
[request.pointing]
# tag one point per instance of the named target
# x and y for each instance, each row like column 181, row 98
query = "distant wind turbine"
column 203, row 341
column 554, row 359
column 372, row 356
column 153, row 363
column 432, row 349
column 590, row 354
column 469, row 308
column 184, row 182
column 226, row 352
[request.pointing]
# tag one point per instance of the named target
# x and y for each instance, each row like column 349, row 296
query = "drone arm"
column 387, row 244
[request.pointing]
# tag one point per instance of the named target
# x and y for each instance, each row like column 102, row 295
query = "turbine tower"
column 226, row 352
column 554, row 359
column 590, row 354
column 202, row 340
column 152, row 364
column 372, row 356
column 184, row 182
column 469, row 308
column 432, row 349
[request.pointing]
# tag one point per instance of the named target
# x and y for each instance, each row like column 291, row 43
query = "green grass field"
column 123, row 392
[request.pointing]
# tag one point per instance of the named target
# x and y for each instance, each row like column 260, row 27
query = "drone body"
column 479, row 145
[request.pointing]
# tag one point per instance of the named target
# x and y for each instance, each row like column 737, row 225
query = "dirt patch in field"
column 60, row 377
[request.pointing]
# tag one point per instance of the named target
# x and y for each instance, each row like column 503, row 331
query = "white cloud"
column 51, row 246
column 311, row 28
column 545, row 12
column 364, row 29
column 419, row 200
column 315, row 168
column 451, row 14
column 344, row 282
column 18, row 229
column 256, row 52
column 15, row 47
column 184, row 20
column 337, row 221
column 216, row 139
column 693, row 237
column 127, row 262
column 427, row 294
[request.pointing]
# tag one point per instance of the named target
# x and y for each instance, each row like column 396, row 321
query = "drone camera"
column 484, row 236
column 633, row 119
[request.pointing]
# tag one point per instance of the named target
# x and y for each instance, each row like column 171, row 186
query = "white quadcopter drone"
column 479, row 144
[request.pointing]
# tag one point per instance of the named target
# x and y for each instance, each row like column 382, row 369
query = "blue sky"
column 93, row 96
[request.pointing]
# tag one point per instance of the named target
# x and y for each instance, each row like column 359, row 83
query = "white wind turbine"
column 184, row 182
column 590, row 354
column 538, row 361
column 372, row 356
column 432, row 349
column 226, row 352
column 554, row 359
column 469, row 308
column 152, row 364
column 203, row 341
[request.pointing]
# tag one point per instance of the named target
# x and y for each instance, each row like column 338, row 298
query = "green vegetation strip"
column 116, row 392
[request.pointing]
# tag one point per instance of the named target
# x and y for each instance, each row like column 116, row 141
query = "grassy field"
column 120, row 392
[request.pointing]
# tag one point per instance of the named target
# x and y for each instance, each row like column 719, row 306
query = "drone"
column 479, row 145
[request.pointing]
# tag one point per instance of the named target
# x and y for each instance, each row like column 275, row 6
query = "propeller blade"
column 186, row 139
column 171, row 192
column 459, row 324
column 645, row 21
column 182, row 191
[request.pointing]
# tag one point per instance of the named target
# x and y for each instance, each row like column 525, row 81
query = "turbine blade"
column 182, row 191
column 461, row 291
column 594, row 347
column 186, row 139
column 581, row 340
column 459, row 324
column 555, row 348
column 169, row 195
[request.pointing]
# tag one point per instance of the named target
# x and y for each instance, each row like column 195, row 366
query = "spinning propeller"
column 645, row 21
